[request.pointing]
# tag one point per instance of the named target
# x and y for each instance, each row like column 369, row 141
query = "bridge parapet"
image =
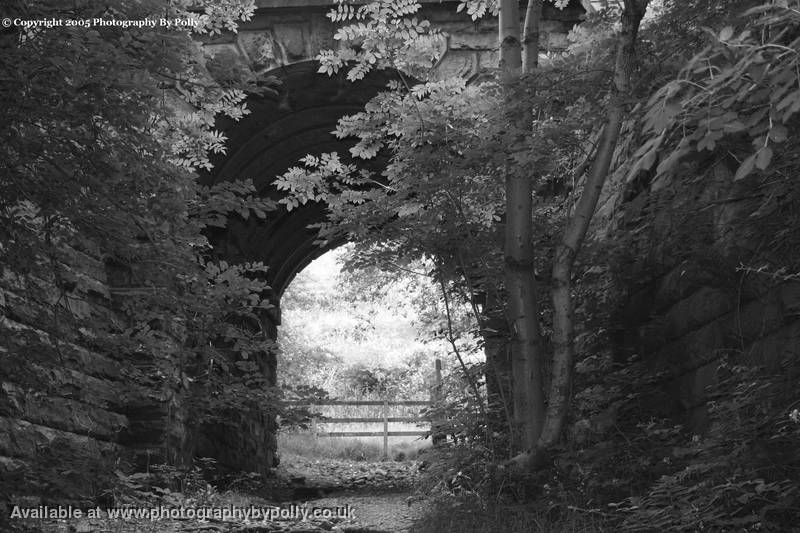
column 284, row 32
column 282, row 40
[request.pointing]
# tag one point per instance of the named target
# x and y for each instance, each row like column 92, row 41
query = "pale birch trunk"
column 510, row 45
column 523, row 312
column 523, row 309
column 559, row 394
column 531, row 36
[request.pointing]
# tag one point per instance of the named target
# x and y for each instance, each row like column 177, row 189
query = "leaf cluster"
column 100, row 130
column 742, row 88
column 381, row 34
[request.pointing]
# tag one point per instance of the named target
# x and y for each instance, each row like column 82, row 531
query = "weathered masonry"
column 282, row 40
column 89, row 407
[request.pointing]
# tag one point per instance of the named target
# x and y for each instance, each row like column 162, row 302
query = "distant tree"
column 382, row 325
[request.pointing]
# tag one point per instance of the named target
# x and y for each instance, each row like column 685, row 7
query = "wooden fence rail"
column 370, row 402
column 386, row 419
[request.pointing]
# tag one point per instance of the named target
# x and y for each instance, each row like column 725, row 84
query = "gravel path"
column 379, row 494
column 357, row 497
column 393, row 512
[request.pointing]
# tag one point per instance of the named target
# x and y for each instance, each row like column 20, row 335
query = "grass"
column 303, row 443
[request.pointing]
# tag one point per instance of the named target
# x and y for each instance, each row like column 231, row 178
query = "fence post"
column 386, row 429
column 438, row 389
column 437, row 435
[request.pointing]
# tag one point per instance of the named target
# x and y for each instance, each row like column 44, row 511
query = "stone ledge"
column 95, row 364
column 24, row 440
column 698, row 309
column 770, row 350
column 60, row 413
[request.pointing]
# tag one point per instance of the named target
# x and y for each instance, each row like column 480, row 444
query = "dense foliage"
column 102, row 129
column 365, row 332
column 714, row 82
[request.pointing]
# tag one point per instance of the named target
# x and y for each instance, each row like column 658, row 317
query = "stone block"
column 320, row 34
column 84, row 265
column 682, row 281
column 699, row 308
column 757, row 318
column 488, row 60
column 59, row 413
column 69, row 355
column 24, row 311
column 472, row 40
column 263, row 50
column 553, row 26
column 457, row 63
column 36, row 304
column 246, row 442
column 81, row 387
column 769, row 351
column 55, row 465
column 790, row 299
column 555, row 41
column 20, row 440
column 292, row 38
column 693, row 350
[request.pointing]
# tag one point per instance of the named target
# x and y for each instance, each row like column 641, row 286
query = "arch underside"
column 280, row 130
column 267, row 142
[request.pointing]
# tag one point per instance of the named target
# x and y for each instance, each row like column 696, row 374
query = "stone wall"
column 71, row 409
column 692, row 298
column 284, row 33
column 76, row 406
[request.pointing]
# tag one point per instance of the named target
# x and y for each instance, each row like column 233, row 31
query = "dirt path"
column 380, row 495
column 306, row 496
column 393, row 512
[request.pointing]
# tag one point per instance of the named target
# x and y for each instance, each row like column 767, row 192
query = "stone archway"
column 281, row 40
column 278, row 132
column 264, row 144
column 298, row 121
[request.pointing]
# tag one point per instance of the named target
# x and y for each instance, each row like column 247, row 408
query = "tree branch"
column 452, row 340
column 531, row 36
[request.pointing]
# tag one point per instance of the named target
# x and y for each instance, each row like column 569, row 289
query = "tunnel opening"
column 359, row 341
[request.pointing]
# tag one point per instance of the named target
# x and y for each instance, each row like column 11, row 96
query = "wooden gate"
column 385, row 418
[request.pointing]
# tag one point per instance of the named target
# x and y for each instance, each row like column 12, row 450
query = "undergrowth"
column 640, row 474
column 465, row 516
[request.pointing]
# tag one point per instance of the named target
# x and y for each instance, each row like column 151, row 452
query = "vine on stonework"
column 103, row 129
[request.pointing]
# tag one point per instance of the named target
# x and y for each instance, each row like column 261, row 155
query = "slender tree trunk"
column 523, row 309
column 559, row 394
column 510, row 46
column 530, row 36
column 578, row 224
column 523, row 312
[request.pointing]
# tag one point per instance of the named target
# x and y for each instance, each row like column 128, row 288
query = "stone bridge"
column 282, row 40
column 87, row 408
column 94, row 408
